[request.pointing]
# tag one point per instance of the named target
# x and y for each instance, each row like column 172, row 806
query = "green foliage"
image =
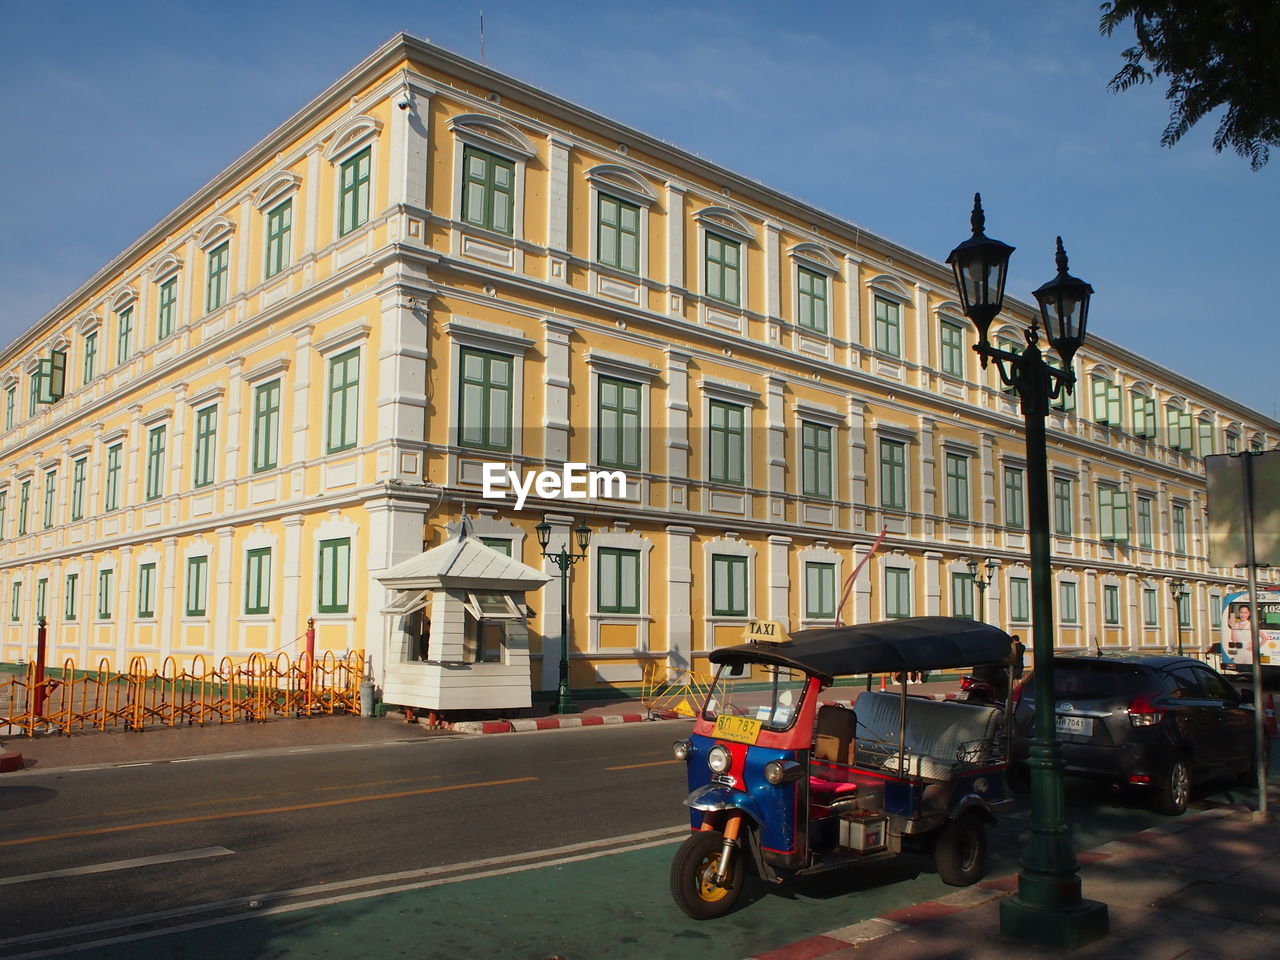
column 1215, row 53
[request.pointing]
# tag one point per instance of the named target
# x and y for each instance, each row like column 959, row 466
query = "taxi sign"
column 737, row 729
column 764, row 631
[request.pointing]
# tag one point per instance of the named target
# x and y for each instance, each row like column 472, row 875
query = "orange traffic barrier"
column 140, row 696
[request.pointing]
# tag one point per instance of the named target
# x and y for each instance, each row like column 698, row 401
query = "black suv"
column 1157, row 723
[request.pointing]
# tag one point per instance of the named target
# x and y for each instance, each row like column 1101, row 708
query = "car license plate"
column 1078, row 726
column 738, row 729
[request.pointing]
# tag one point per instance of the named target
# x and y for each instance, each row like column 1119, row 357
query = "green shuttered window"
column 485, row 411
column 353, row 177
column 488, row 190
column 335, row 576
column 344, row 401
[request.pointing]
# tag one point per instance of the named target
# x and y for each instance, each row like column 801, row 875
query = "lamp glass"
column 584, row 535
column 544, row 533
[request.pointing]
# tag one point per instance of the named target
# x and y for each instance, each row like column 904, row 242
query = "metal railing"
column 71, row 699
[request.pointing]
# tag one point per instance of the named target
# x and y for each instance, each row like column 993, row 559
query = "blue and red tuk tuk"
column 783, row 785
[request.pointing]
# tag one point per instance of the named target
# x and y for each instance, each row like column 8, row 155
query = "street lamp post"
column 1178, row 588
column 564, row 558
column 1048, row 907
column 981, row 582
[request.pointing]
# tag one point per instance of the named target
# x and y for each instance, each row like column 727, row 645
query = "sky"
column 888, row 115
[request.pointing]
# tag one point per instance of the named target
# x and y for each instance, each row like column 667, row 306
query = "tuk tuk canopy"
column 890, row 646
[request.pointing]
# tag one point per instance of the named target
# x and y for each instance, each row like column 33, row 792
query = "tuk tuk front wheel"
column 693, row 870
column 961, row 852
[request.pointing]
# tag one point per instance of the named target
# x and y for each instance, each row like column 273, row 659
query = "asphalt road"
column 519, row 846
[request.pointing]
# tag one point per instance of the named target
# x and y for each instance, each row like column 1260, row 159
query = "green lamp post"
column 564, row 558
column 1048, row 907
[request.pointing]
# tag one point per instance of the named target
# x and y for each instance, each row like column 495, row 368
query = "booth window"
column 486, row 627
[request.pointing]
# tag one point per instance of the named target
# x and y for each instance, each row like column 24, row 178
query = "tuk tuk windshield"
column 770, row 694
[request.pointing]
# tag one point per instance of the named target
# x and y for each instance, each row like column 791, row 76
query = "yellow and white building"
column 293, row 383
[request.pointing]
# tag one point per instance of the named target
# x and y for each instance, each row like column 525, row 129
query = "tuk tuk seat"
column 939, row 735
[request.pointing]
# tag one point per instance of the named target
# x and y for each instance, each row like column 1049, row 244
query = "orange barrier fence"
column 133, row 699
column 672, row 690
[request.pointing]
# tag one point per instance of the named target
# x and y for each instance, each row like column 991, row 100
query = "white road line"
column 322, row 894
column 200, row 854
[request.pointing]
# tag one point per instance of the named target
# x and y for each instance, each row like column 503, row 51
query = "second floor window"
column 618, row 440
column 279, row 227
column 1179, row 429
column 1015, row 509
column 618, row 587
column 168, row 308
column 266, row 426
column 485, row 403
column 24, row 505
column 215, row 292
column 888, row 327
column 815, row 459
column 812, row 300
column 1144, row 416
column 124, row 335
column 957, row 486
column 50, row 492
column 78, row 471
column 155, row 463
column 618, row 236
column 1113, row 513
column 202, row 469
column 488, row 190
column 723, row 269
column 1062, row 521
column 10, row 404
column 952, row 349
column 1106, row 402
column 344, row 401
column 4, row 504
column 1180, row 530
column 893, row 474
column 727, row 439
column 1146, row 528
column 90, row 367
column 1205, row 429
column 111, row 491
column 353, row 200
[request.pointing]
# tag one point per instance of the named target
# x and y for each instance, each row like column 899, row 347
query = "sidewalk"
column 1204, row 886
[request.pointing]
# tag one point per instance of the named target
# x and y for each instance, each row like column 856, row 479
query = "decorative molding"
column 624, row 183
column 214, row 232
column 724, row 220
column 276, row 189
column 490, row 133
column 351, row 137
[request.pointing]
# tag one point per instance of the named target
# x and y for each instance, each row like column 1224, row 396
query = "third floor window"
column 723, row 269
column 618, row 426
column 266, row 426
column 353, row 209
column 488, row 190
column 215, row 293
column 888, row 327
column 618, row 239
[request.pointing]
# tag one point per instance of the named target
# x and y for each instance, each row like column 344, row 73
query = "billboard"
column 1225, row 479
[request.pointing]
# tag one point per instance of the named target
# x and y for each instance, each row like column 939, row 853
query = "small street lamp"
column 1178, row 589
column 1048, row 907
column 564, row 558
column 981, row 582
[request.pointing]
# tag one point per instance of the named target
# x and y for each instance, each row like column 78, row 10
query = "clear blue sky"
column 889, row 115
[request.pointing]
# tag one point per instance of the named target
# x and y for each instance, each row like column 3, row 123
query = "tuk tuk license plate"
column 738, row 729
column 1079, row 726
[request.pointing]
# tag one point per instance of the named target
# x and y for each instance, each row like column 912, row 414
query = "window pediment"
column 352, row 136
column 215, row 231
column 892, row 287
column 276, row 189
column 815, row 256
column 123, row 298
column 490, row 133
column 87, row 323
column 1102, row 371
column 724, row 220
column 626, row 184
column 165, row 267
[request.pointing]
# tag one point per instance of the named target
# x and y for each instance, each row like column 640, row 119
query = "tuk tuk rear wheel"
column 961, row 852
column 692, row 870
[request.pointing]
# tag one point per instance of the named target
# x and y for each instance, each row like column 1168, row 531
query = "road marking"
column 261, row 812
column 572, row 853
column 379, row 783
column 181, row 855
column 655, row 763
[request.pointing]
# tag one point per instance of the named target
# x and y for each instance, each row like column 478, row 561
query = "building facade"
column 434, row 274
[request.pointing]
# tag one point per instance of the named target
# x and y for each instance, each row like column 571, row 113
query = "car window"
column 1185, row 684
column 1215, row 688
column 1097, row 681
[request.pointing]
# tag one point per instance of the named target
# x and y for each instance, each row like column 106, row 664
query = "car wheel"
column 961, row 852
column 1174, row 789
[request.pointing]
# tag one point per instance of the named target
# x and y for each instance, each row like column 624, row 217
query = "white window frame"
column 501, row 139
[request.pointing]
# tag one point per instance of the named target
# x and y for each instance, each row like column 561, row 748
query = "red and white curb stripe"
column 898, row 920
column 545, row 723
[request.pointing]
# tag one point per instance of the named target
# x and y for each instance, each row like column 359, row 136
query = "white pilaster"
column 222, row 561
column 779, row 580
column 679, row 597
column 555, row 378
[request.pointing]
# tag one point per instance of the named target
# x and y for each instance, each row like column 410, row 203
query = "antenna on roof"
column 482, row 36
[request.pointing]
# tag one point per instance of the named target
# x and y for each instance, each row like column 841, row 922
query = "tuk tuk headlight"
column 782, row 771
column 681, row 749
column 719, row 759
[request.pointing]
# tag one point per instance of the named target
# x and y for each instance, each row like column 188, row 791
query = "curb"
column 475, row 727
column 895, row 921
